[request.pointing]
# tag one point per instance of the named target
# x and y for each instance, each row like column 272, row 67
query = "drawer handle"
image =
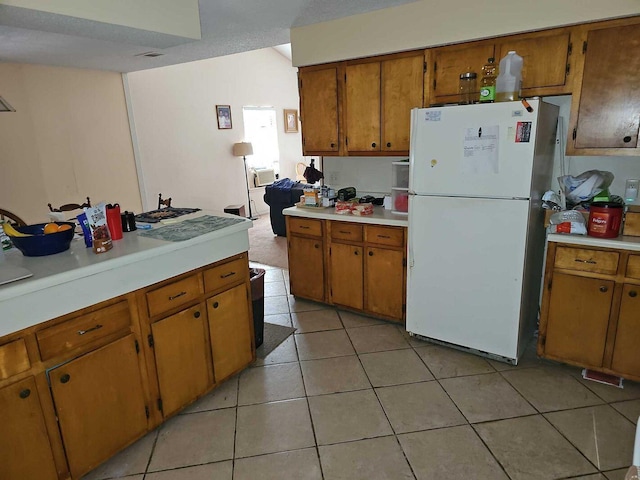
column 345, row 232
column 65, row 378
column 603, row 289
column 227, row 275
column 25, row 393
column 215, row 304
column 82, row 332
column 384, row 236
column 304, row 227
column 196, row 314
column 173, row 297
column 592, row 262
column 633, row 294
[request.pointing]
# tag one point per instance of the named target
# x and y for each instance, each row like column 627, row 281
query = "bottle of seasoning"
column 468, row 89
column 488, row 81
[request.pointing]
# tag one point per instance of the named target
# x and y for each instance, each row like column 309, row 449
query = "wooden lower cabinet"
column 100, row 403
column 306, row 266
column 183, row 359
column 346, row 275
column 25, row 451
column 231, row 329
column 384, row 281
column 590, row 315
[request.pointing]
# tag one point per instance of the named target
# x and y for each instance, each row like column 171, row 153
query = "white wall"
column 182, row 154
column 68, row 139
column 428, row 23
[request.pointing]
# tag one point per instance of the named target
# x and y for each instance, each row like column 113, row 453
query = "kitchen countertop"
column 380, row 216
column 77, row 278
column 622, row 242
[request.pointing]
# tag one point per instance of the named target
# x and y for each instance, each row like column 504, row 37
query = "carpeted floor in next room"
column 264, row 246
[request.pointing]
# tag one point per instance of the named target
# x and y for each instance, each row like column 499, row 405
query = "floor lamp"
column 243, row 149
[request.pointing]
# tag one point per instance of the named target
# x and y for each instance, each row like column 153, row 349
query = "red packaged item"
column 362, row 209
column 344, row 207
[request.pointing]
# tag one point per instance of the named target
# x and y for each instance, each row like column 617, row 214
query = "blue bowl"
column 39, row 244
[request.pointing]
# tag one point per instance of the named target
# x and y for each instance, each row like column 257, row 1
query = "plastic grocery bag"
column 585, row 186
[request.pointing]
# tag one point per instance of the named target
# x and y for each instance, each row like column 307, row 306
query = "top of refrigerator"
column 480, row 150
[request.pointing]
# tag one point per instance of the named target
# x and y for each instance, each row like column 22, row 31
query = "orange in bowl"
column 51, row 228
column 63, row 227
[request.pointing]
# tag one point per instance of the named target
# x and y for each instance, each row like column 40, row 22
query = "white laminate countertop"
column 623, row 242
column 78, row 278
column 380, row 215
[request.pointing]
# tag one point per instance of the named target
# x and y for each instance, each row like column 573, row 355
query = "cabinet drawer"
column 173, row 295
column 306, row 226
column 596, row 261
column 633, row 266
column 13, row 358
column 83, row 330
column 225, row 274
column 346, row 231
column 384, row 235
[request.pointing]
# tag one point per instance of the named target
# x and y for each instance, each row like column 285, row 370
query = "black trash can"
column 257, row 301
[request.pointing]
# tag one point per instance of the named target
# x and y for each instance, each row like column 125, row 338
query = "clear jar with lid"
column 468, row 90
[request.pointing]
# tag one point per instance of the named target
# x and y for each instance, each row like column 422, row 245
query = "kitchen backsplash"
column 374, row 175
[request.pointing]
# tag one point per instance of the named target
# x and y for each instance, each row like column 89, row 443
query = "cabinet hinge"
column 345, row 78
column 569, row 48
column 150, row 340
column 404, row 308
column 137, row 346
column 568, row 69
column 424, row 67
column 435, row 67
column 574, row 134
column 160, row 404
column 549, row 284
column 543, row 340
column 584, row 47
column 329, row 250
column 434, row 84
column 146, row 411
column 404, row 262
column 346, row 140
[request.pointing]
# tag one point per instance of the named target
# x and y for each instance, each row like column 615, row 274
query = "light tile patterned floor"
column 351, row 397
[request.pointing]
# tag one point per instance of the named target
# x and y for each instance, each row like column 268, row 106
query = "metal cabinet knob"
column 333, row 145
column 215, row 304
column 388, row 144
column 196, row 314
column 316, row 246
column 371, row 254
column 373, row 144
column 25, row 393
column 633, row 294
column 603, row 289
column 626, row 139
column 65, row 378
column 355, row 252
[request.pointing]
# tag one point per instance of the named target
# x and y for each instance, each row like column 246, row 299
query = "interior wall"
column 182, row 153
column 428, row 23
column 68, row 139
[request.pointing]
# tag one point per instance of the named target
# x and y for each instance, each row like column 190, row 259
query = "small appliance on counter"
column 346, row 193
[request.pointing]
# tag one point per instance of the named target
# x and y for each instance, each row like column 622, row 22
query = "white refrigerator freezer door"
column 473, row 150
column 465, row 275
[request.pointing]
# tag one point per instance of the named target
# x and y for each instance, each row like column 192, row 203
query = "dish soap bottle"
column 488, row 81
column 509, row 79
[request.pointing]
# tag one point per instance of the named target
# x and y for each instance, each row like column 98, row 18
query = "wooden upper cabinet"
column 605, row 110
column 449, row 62
column 319, row 109
column 546, row 68
column 362, row 107
column 402, row 90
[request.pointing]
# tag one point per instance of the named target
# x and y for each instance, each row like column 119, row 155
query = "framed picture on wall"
column 224, row 116
column 290, row 121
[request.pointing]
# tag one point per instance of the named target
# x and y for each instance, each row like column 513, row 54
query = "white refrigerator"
column 477, row 174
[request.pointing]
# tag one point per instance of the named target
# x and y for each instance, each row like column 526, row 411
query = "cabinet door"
column 402, row 85
column 625, row 351
column 384, row 282
column 545, row 61
column 363, row 107
column 182, row 357
column 319, row 110
column 578, row 319
column 231, row 330
column 346, row 275
column 450, row 62
column 25, row 452
column 100, row 404
column 306, row 267
column 608, row 114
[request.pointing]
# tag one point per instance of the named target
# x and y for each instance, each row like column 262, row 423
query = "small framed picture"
column 224, row 116
column 290, row 121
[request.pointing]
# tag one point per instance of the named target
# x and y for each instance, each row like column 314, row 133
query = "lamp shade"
column 243, row 148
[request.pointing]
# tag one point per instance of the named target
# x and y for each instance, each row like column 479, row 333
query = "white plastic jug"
column 510, row 78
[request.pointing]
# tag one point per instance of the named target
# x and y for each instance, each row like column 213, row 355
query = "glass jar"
column 468, row 90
